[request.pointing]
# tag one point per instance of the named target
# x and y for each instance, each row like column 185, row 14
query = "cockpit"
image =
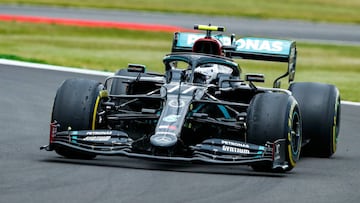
column 200, row 72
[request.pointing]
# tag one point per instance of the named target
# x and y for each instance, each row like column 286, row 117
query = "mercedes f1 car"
column 200, row 110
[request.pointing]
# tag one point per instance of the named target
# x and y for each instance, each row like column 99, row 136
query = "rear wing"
column 245, row 48
column 266, row 50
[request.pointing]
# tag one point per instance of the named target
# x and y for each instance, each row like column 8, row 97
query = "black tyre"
column 320, row 109
column 273, row 116
column 74, row 107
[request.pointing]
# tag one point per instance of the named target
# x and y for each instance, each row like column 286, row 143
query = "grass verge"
column 111, row 49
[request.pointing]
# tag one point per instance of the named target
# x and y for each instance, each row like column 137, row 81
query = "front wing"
column 213, row 151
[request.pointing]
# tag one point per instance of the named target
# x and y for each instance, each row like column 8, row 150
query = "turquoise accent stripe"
column 224, row 111
column 221, row 107
column 198, row 108
column 73, row 139
column 260, row 152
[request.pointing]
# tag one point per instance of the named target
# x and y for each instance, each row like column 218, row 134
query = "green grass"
column 111, row 49
column 104, row 49
column 313, row 10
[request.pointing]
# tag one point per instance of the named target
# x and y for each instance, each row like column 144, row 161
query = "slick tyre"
column 274, row 116
column 320, row 109
column 74, row 107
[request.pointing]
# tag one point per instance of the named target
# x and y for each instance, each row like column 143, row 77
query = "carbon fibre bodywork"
column 177, row 116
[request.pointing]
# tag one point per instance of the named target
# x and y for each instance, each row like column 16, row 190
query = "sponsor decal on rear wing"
column 264, row 49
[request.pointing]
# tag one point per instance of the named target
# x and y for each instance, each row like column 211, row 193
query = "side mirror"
column 254, row 77
column 138, row 68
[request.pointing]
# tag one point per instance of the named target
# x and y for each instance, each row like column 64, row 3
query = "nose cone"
column 163, row 139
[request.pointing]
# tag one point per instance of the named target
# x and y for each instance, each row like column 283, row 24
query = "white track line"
column 53, row 67
column 350, row 103
column 85, row 71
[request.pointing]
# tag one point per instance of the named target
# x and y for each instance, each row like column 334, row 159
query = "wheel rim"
column 295, row 134
column 294, row 137
column 336, row 125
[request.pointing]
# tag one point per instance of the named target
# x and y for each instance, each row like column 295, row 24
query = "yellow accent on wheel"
column 334, row 124
column 334, row 137
column 291, row 160
column 334, row 134
column 103, row 93
column 95, row 112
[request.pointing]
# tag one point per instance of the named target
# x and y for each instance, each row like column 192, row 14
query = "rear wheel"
column 126, row 85
column 117, row 86
column 320, row 108
column 74, row 106
column 274, row 116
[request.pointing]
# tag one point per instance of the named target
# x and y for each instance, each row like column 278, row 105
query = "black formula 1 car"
column 200, row 109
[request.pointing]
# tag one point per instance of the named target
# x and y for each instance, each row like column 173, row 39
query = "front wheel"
column 74, row 107
column 274, row 116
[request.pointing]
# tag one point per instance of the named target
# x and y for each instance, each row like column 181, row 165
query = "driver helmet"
column 208, row 72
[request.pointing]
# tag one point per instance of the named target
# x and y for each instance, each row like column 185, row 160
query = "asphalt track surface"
column 289, row 29
column 30, row 175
